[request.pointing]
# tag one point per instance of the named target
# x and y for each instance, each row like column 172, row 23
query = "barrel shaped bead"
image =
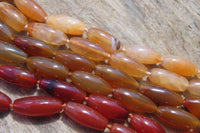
column 118, row 128
column 194, row 87
column 193, row 105
column 5, row 102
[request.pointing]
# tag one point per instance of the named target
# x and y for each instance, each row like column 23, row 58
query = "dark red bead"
column 5, row 102
column 118, row 128
column 193, row 105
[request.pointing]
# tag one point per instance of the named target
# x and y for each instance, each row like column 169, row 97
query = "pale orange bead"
column 142, row 54
column 179, row 65
column 31, row 9
column 66, row 24
column 12, row 16
column 168, row 80
column 194, row 87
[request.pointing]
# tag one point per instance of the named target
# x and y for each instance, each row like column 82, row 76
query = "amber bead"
column 118, row 128
column 88, row 49
column 66, row 24
column 168, row 80
column 31, row 9
column 134, row 101
column 37, row 106
column 128, row 65
column 6, row 32
column 12, row 16
column 161, row 96
column 74, row 61
column 142, row 54
column 85, row 116
column 12, row 54
column 33, row 47
column 115, row 77
column 47, row 68
column 104, row 39
column 194, row 87
column 5, row 102
column 63, row 90
column 177, row 118
column 47, row 34
column 179, row 65
column 91, row 83
column 193, row 105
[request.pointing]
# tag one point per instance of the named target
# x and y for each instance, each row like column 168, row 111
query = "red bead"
column 37, row 106
column 118, row 128
column 5, row 102
column 145, row 125
column 63, row 90
column 193, row 105
column 18, row 76
column 86, row 116
column 108, row 107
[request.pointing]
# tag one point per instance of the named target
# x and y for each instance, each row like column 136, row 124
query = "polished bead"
column 37, row 106
column 193, row 105
column 91, row 83
column 5, row 102
column 85, row 116
column 74, row 61
column 63, row 90
column 108, row 107
column 33, row 47
column 161, row 96
column 31, row 9
column 47, row 68
column 179, row 65
column 12, row 16
column 188, row 132
column 12, row 54
column 177, row 118
column 104, row 39
column 134, row 101
column 66, row 24
column 145, row 124
column 128, row 65
column 168, row 80
column 142, row 54
column 6, row 32
column 88, row 49
column 115, row 77
column 18, row 76
column 118, row 128
column 47, row 34
column 194, row 87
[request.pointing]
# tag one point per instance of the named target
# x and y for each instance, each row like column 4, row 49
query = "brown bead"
column 6, row 31
column 193, row 105
column 194, row 87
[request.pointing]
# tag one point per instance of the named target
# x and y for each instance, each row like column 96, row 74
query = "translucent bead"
column 47, row 34
column 104, row 39
column 12, row 16
column 179, row 65
column 6, row 31
column 5, row 102
column 168, row 80
column 194, row 87
column 31, row 9
column 142, row 54
column 193, row 105
column 128, row 65
column 118, row 128
column 66, row 24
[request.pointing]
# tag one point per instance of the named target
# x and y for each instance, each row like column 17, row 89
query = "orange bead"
column 6, row 31
column 12, row 16
column 179, row 65
column 66, row 24
column 168, row 80
column 194, row 87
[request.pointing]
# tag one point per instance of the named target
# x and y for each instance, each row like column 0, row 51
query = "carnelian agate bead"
column 74, row 61
column 115, row 77
column 145, row 124
column 33, row 47
column 90, row 83
column 12, row 16
column 179, row 65
column 47, row 68
column 128, row 65
column 47, row 34
column 66, row 24
column 85, row 116
column 134, row 101
column 104, row 39
column 142, row 54
column 168, row 80
column 31, row 9
column 108, row 107
column 88, row 49
column 6, row 32
column 12, row 54
column 118, row 128
column 5, row 102
column 177, row 118
column 161, row 96
column 37, row 106
column 194, row 87
column 63, row 90
column 193, row 105
column 18, row 76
